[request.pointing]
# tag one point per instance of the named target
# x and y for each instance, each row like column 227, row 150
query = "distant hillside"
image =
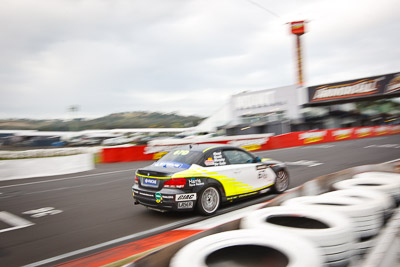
column 117, row 120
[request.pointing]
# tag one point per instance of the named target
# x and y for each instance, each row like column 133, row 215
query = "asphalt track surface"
column 43, row 220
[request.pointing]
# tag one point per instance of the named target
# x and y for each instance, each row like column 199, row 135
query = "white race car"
column 203, row 176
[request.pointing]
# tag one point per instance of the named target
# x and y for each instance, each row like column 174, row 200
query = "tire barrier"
column 373, row 244
column 332, row 232
column 369, row 196
column 249, row 248
column 363, row 247
column 389, row 184
column 367, row 219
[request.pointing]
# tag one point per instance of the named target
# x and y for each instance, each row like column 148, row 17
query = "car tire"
column 208, row 201
column 249, row 248
column 281, row 182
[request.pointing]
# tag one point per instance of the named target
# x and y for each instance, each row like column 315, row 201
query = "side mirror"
column 257, row 159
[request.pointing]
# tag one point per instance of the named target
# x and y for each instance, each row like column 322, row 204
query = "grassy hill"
column 112, row 121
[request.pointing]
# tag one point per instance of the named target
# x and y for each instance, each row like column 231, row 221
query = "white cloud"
column 187, row 56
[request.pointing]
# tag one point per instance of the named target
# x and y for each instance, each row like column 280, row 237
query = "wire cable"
column 264, row 8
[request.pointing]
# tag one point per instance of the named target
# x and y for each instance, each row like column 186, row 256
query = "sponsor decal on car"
column 195, row 182
column 144, row 194
column 209, row 162
column 261, row 167
column 219, row 160
column 150, row 182
column 249, row 194
column 158, row 197
column 185, row 205
column 262, row 174
column 171, row 164
column 185, row 197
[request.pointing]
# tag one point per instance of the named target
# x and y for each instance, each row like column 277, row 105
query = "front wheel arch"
column 281, row 182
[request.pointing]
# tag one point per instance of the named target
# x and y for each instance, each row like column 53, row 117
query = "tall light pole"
column 74, row 109
column 298, row 29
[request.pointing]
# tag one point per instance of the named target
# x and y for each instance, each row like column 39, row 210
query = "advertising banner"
column 388, row 84
column 142, row 153
column 267, row 101
column 297, row 27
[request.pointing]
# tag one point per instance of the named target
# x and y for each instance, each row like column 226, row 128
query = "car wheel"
column 209, row 200
column 281, row 182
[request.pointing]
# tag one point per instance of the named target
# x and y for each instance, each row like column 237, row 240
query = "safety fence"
column 249, row 142
column 46, row 166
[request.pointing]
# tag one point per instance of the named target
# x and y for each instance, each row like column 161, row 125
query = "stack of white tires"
column 334, row 229
column 367, row 219
column 388, row 183
column 331, row 232
column 249, row 248
column 369, row 197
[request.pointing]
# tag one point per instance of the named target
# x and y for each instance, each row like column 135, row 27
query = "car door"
column 254, row 176
column 219, row 168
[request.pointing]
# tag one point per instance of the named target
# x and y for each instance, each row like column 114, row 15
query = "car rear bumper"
column 165, row 199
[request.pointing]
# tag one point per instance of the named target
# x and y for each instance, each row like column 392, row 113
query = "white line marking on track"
column 68, row 178
column 391, row 161
column 13, row 220
column 42, row 212
column 384, row 146
column 76, row 186
column 308, row 163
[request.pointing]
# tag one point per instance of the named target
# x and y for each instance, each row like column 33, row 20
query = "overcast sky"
column 185, row 56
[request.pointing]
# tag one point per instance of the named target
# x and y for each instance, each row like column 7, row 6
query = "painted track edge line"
column 101, row 245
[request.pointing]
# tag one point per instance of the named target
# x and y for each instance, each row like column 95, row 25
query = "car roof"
column 206, row 147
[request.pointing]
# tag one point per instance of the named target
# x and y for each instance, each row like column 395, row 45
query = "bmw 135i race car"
column 203, row 176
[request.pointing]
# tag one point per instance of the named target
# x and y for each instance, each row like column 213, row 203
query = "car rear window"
column 182, row 156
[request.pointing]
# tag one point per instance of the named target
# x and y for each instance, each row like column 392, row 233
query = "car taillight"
column 175, row 183
column 136, row 180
